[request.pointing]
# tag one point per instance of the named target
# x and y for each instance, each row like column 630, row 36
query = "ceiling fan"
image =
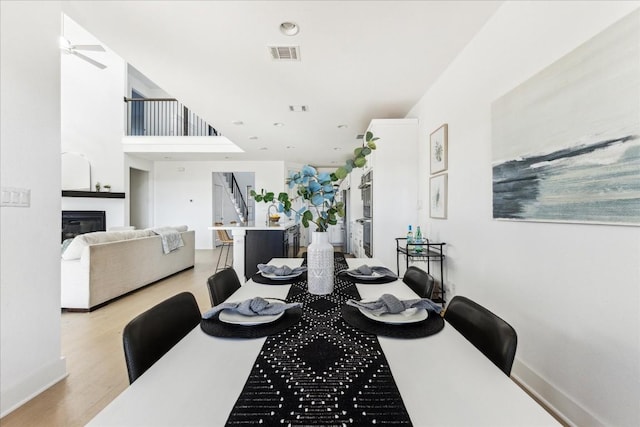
column 72, row 49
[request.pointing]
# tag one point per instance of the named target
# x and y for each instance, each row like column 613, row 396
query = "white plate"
column 276, row 277
column 410, row 315
column 228, row 316
column 374, row 275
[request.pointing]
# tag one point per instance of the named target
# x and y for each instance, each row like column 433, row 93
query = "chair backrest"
column 223, row 235
column 153, row 333
column 419, row 281
column 494, row 337
column 222, row 284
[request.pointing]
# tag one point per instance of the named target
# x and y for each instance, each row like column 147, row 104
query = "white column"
column 238, row 252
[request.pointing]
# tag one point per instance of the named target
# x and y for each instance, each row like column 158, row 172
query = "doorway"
column 139, row 198
column 230, row 198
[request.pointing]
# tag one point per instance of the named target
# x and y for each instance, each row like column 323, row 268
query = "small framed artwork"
column 438, row 196
column 438, row 149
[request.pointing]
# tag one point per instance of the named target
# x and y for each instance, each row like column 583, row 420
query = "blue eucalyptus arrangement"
column 318, row 189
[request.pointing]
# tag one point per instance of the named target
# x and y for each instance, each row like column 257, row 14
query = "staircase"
column 235, row 196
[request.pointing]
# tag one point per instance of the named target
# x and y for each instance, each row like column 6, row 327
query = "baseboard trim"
column 560, row 405
column 19, row 394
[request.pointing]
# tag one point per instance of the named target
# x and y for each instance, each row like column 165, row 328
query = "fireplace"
column 80, row 222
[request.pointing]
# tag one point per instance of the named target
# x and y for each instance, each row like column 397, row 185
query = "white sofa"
column 123, row 262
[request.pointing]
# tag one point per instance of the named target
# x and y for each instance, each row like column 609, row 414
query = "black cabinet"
column 262, row 245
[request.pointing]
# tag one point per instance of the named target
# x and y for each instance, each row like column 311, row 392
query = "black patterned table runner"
column 321, row 371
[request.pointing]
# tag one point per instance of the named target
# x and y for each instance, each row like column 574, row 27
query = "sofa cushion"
column 75, row 248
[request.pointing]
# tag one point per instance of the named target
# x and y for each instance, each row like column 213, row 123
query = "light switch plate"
column 16, row 197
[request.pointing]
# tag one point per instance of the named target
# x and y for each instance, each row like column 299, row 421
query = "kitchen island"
column 255, row 244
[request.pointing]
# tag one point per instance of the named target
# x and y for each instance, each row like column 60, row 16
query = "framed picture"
column 438, row 149
column 438, row 196
column 563, row 140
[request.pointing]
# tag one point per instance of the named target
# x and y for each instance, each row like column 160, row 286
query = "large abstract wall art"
column 566, row 143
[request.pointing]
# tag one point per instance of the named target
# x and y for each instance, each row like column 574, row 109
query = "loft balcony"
column 165, row 125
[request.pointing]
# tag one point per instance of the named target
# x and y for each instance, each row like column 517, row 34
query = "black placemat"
column 217, row 328
column 321, row 371
column 259, row 278
column 384, row 279
column 430, row 326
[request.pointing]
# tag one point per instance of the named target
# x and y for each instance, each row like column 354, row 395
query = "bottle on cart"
column 418, row 239
column 409, row 236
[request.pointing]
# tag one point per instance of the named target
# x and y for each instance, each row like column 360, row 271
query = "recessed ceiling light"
column 263, row 148
column 237, row 122
column 289, row 28
column 253, row 137
column 337, row 148
column 289, row 147
column 343, row 126
column 278, row 124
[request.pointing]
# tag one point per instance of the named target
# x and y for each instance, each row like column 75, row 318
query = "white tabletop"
column 443, row 379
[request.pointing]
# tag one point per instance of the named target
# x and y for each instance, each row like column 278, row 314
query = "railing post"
column 185, row 121
column 154, row 117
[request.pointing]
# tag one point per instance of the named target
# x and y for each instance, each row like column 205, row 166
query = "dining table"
column 338, row 374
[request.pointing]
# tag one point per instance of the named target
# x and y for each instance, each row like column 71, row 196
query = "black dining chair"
column 222, row 284
column 494, row 337
column 419, row 281
column 153, row 333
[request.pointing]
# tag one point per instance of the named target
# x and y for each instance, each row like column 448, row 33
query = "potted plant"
column 107, row 187
column 98, row 186
column 321, row 208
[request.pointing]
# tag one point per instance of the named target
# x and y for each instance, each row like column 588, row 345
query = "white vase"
column 320, row 264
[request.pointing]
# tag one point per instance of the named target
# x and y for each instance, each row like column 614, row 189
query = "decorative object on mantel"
column 107, row 187
column 322, row 208
column 76, row 172
column 98, row 186
column 438, row 141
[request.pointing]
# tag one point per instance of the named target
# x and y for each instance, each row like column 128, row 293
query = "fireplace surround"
column 80, row 222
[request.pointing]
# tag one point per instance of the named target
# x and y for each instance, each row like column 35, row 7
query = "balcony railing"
column 164, row 117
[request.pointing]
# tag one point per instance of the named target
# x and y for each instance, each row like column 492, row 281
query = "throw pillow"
column 74, row 249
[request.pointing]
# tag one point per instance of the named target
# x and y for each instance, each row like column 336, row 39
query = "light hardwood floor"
column 92, row 345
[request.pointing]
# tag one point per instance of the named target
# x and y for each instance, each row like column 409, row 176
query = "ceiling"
column 359, row 60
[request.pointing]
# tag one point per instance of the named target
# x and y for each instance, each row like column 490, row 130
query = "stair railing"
column 237, row 194
column 164, row 117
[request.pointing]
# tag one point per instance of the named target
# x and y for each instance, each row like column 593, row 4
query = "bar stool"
column 227, row 242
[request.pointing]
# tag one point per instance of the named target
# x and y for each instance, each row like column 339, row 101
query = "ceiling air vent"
column 285, row 53
column 298, row 108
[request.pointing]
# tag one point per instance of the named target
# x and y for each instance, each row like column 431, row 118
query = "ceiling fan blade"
column 91, row 47
column 89, row 60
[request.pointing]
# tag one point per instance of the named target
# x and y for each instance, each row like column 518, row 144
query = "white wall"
column 571, row 291
column 183, row 193
column 92, row 119
column 92, row 108
column 30, row 355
